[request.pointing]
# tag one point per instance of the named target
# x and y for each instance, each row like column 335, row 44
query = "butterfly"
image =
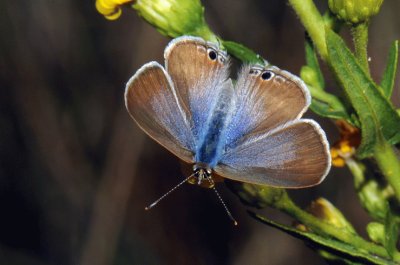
column 249, row 131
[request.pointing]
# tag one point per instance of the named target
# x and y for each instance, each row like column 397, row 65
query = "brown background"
column 76, row 173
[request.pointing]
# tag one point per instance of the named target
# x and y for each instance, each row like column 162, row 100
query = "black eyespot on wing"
column 254, row 71
column 267, row 75
column 212, row 54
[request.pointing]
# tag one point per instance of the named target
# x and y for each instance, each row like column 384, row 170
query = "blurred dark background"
column 76, row 173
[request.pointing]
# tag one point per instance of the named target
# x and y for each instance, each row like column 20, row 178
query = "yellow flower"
column 111, row 9
column 345, row 148
column 172, row 18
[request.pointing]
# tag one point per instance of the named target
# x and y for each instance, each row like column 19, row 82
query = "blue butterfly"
column 250, row 131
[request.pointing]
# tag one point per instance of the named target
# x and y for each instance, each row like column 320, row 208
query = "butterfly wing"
column 153, row 103
column 267, row 97
column 293, row 155
column 267, row 142
column 198, row 70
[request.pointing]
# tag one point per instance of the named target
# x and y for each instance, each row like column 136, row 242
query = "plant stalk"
column 313, row 22
column 360, row 39
column 389, row 164
column 324, row 228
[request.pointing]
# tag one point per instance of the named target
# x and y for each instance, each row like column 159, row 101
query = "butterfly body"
column 251, row 131
column 213, row 141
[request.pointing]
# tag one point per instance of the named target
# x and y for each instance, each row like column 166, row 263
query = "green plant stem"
column 262, row 196
column 204, row 32
column 389, row 164
column 313, row 22
column 323, row 228
column 360, row 39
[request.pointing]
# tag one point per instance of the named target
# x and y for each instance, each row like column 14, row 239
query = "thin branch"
column 113, row 193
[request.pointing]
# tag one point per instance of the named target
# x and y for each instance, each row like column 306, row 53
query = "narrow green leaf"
column 376, row 114
column 323, row 103
column 327, row 105
column 331, row 245
column 324, row 110
column 389, row 75
column 391, row 232
column 334, row 259
column 312, row 61
column 242, row 52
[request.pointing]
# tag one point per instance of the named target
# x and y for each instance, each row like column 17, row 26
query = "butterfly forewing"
column 293, row 155
column 152, row 102
column 267, row 97
column 198, row 70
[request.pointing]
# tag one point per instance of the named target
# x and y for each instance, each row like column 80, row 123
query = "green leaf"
column 242, row 53
column 312, row 61
column 324, row 110
column 389, row 74
column 331, row 245
column 376, row 114
column 327, row 105
column 391, row 232
column 323, row 103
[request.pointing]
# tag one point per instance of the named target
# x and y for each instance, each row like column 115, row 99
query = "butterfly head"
column 201, row 175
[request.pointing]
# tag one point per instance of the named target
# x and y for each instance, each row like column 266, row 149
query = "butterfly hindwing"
column 152, row 102
column 293, row 155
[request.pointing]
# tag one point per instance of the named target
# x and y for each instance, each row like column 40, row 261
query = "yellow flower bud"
column 325, row 210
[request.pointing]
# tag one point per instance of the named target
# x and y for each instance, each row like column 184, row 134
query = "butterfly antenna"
column 167, row 193
column 222, row 201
